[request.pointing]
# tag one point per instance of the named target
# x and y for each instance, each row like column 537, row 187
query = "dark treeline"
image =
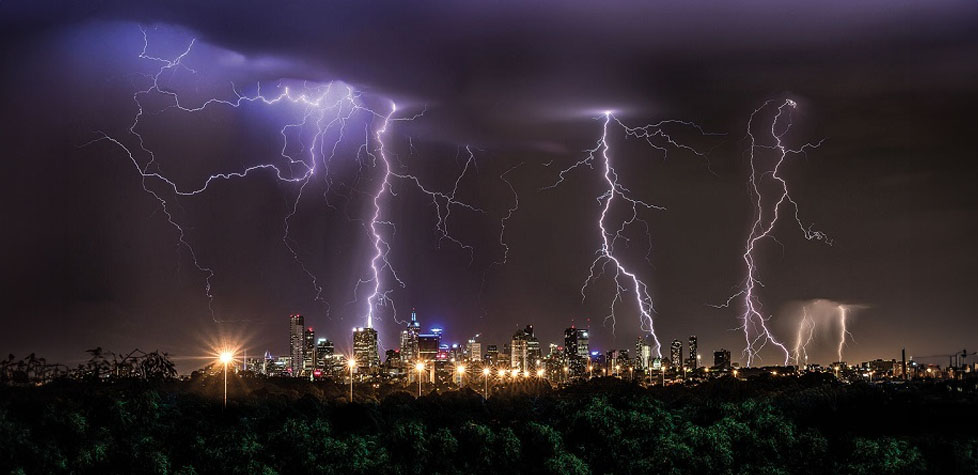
column 101, row 366
column 811, row 424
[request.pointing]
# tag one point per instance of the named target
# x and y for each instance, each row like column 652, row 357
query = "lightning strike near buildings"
column 843, row 314
column 804, row 337
column 770, row 194
column 629, row 287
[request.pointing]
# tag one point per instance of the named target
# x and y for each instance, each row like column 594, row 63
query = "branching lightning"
column 764, row 177
column 805, row 326
column 626, row 281
column 325, row 111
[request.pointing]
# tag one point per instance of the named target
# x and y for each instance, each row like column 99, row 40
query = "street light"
column 540, row 373
column 352, row 363
column 461, row 372
column 419, row 367
column 485, row 375
column 226, row 357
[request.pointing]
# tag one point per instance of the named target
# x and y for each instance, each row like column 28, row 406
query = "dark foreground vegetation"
column 811, row 424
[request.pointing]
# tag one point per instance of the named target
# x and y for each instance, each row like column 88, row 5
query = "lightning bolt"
column 753, row 322
column 802, row 342
column 509, row 213
column 843, row 314
column 443, row 202
column 628, row 286
column 502, row 228
column 323, row 113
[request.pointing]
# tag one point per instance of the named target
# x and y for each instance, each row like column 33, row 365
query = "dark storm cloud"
column 890, row 85
column 486, row 66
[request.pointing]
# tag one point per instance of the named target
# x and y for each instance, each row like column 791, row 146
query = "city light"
column 351, row 363
column 419, row 367
column 539, row 373
column 226, row 357
column 485, row 376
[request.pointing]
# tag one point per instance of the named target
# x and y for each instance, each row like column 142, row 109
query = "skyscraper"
column 576, row 349
column 517, row 349
column 643, row 353
column 525, row 349
column 534, row 355
column 721, row 359
column 296, row 328
column 474, row 349
column 492, row 355
column 409, row 339
column 365, row 347
column 308, row 350
column 676, row 355
column 324, row 354
column 428, row 345
column 691, row 362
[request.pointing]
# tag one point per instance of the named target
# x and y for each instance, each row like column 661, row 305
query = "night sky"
column 89, row 258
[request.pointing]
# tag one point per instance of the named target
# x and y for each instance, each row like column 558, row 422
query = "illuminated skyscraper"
column 296, row 328
column 308, row 350
column 676, row 355
column 576, row 349
column 365, row 348
column 524, row 349
column 474, row 349
column 409, row 339
column 324, row 354
column 534, row 356
column 643, row 353
column 492, row 355
column 691, row 362
column 428, row 345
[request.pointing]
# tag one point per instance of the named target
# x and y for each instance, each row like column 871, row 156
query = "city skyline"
column 173, row 181
column 680, row 352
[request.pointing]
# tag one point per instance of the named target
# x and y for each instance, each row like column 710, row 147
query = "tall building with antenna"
column 296, row 343
column 409, row 339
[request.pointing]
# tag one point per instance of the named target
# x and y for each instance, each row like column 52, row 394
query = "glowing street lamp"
column 540, row 373
column 226, row 357
column 352, row 363
column 461, row 373
column 485, row 375
column 419, row 367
